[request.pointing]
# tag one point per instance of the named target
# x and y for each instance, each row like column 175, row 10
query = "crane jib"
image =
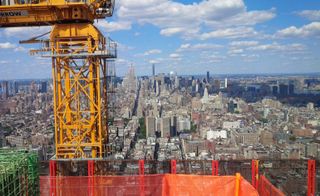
column 13, row 13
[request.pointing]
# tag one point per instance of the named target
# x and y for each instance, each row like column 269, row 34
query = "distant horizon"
column 240, row 74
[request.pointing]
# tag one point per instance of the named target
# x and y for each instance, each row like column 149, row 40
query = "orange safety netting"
column 265, row 188
column 158, row 185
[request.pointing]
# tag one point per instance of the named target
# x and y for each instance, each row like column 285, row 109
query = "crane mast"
column 79, row 54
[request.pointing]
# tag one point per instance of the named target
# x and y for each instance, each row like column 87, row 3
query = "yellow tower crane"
column 79, row 54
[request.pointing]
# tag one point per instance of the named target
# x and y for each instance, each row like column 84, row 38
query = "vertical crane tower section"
column 79, row 54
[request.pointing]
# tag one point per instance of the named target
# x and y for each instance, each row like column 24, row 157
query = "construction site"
column 22, row 174
column 82, row 72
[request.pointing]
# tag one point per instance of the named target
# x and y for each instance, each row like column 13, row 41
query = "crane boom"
column 50, row 12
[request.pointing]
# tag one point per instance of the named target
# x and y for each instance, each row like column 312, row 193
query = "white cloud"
column 231, row 33
column 154, row 61
column 119, row 60
column 244, row 18
column 250, row 57
column 197, row 47
column 187, row 33
column 295, row 47
column 214, row 58
column 26, row 32
column 122, row 61
column 20, row 49
column 175, row 55
column 185, row 46
column 7, row 45
column 191, row 20
column 309, row 30
column 237, row 47
column 171, row 31
column 233, row 52
column 114, row 26
column 310, row 14
column 243, row 43
column 123, row 47
column 4, row 62
column 153, row 51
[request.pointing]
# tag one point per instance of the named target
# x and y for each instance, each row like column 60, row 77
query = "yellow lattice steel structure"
column 79, row 52
column 79, row 68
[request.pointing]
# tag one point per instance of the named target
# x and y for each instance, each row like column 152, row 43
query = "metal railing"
column 290, row 176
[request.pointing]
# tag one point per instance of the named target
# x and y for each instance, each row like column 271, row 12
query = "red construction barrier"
column 311, row 177
column 91, row 180
column 173, row 164
column 155, row 185
column 141, row 173
column 215, row 167
column 141, row 167
column 255, row 173
column 265, row 188
column 53, row 172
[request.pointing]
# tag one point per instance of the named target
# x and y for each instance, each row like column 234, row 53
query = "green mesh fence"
column 19, row 173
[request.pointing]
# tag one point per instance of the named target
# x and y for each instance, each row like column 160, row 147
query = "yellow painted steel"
column 50, row 12
column 78, row 109
column 79, row 53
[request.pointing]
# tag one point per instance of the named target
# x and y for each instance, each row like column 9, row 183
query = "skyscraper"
column 205, row 98
column 130, row 80
column 153, row 70
column 216, row 84
column 44, row 87
column 173, row 126
column 208, row 77
column 165, row 126
column 5, row 90
column 275, row 90
column 150, row 126
column 226, row 83
column 176, row 82
column 291, row 89
column 16, row 87
column 157, row 88
column 283, row 89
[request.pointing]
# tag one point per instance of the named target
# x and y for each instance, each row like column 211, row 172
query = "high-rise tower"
column 5, row 90
column 226, row 83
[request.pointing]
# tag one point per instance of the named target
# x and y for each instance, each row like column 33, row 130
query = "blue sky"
column 192, row 37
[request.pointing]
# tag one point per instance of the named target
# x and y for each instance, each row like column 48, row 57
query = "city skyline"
column 198, row 75
column 191, row 37
column 190, row 120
